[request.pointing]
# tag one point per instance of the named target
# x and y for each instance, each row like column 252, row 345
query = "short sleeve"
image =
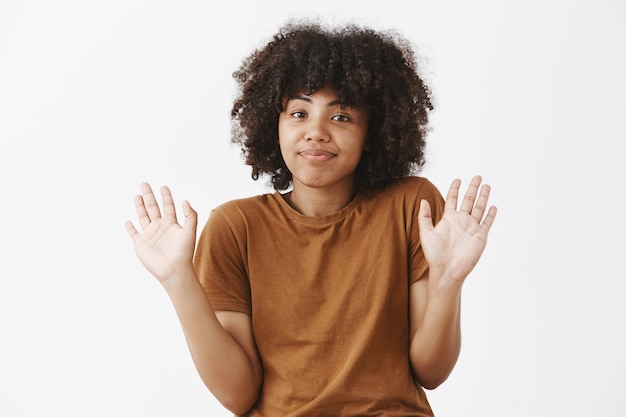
column 220, row 265
column 417, row 261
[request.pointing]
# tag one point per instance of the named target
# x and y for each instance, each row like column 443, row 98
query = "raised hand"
column 456, row 243
column 163, row 246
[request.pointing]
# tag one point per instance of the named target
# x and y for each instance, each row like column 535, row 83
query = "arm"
column 221, row 343
column 452, row 248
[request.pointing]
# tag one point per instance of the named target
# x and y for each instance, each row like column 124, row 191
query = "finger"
column 490, row 217
column 470, row 195
column 453, row 195
column 142, row 214
column 169, row 209
column 130, row 229
column 424, row 217
column 481, row 203
column 191, row 217
column 150, row 202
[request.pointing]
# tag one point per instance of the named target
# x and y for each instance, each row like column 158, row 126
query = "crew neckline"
column 329, row 218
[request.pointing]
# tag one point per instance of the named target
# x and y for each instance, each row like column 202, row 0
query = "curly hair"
column 369, row 69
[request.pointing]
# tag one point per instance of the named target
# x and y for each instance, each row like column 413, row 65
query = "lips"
column 317, row 154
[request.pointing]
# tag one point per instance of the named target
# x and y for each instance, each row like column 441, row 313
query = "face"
column 320, row 141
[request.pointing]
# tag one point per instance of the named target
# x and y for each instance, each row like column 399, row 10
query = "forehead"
column 348, row 94
column 327, row 95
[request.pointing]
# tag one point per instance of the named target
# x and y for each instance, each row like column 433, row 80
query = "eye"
column 298, row 114
column 341, row 118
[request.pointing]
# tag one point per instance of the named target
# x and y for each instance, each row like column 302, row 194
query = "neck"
column 317, row 202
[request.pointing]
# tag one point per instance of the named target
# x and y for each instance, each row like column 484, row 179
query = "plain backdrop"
column 96, row 97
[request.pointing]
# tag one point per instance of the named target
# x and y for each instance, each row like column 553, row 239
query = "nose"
column 317, row 131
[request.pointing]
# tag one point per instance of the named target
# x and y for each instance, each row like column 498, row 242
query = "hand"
column 164, row 246
column 456, row 243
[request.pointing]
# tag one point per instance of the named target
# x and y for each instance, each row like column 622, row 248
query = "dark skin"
column 375, row 72
column 327, row 148
column 222, row 344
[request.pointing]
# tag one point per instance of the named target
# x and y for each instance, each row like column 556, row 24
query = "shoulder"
column 241, row 214
column 411, row 188
column 245, row 206
column 233, row 218
column 401, row 198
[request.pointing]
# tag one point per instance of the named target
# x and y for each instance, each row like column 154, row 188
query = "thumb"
column 424, row 217
column 191, row 217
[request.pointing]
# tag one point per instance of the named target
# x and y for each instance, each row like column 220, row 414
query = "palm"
column 164, row 245
column 459, row 238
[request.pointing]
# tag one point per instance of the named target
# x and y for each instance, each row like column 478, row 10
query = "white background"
column 96, row 97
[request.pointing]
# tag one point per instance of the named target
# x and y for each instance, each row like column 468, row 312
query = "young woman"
column 339, row 293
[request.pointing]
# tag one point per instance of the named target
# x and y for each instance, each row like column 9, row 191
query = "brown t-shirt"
column 328, row 297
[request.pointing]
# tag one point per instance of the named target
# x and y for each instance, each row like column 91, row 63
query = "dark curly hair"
column 369, row 69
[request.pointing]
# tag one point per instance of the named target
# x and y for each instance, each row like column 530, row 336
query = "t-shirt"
column 328, row 297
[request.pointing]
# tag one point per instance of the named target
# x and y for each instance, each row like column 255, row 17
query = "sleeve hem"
column 230, row 305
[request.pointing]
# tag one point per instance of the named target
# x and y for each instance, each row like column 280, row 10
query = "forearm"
column 436, row 344
column 221, row 362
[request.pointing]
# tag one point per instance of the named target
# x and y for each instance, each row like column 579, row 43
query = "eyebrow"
column 308, row 100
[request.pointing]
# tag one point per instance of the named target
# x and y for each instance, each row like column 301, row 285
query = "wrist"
column 179, row 276
column 441, row 281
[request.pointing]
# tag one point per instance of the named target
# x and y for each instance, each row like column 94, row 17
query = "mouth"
column 317, row 155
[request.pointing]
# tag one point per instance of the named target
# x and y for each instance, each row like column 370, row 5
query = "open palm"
column 456, row 243
column 164, row 245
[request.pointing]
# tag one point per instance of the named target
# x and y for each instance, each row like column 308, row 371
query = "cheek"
column 282, row 132
column 282, row 148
